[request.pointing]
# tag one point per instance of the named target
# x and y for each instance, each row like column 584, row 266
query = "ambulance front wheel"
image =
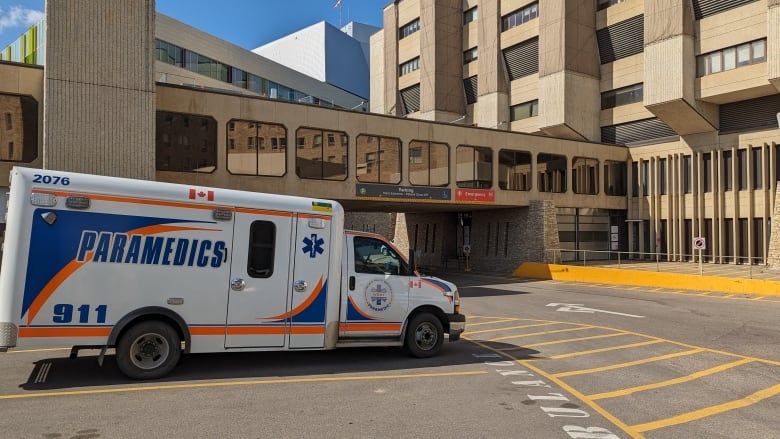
column 424, row 336
column 148, row 350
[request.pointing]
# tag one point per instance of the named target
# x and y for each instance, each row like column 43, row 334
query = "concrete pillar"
column 99, row 105
column 492, row 106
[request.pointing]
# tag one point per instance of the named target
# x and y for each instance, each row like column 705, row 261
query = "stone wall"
column 773, row 258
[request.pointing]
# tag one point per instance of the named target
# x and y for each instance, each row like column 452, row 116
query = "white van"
column 155, row 270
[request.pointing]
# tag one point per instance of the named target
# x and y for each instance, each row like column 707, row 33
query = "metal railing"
column 740, row 266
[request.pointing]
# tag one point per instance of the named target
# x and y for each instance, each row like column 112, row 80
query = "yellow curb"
column 612, row 276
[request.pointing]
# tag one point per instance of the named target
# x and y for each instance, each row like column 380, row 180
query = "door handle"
column 352, row 283
column 300, row 286
column 237, row 284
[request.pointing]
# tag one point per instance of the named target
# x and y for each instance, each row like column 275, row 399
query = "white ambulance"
column 155, row 270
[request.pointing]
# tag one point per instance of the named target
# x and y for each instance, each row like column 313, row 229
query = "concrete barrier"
column 613, row 276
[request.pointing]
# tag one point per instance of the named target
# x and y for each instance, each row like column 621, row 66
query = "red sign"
column 195, row 195
column 478, row 195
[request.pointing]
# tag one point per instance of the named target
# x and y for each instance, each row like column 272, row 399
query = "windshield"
column 376, row 256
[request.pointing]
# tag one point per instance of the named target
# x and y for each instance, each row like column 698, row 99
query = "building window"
column 244, row 159
column 622, row 96
column 585, row 175
column 187, row 128
column 470, row 55
column 470, row 15
column 551, row 169
column 634, row 179
column 524, row 110
column 471, row 88
column 520, row 16
column 742, row 169
column 311, row 163
column 409, row 29
column 604, row 4
column 755, row 167
column 20, row 134
column 621, row 40
column 731, row 58
column 645, row 177
column 429, row 163
column 410, row 66
column 727, row 171
column 410, row 98
column 687, row 175
column 514, row 170
column 615, row 178
column 474, row 167
column 706, row 171
column 382, row 162
column 662, row 176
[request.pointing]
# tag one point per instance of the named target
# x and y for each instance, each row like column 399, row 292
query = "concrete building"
column 335, row 56
column 689, row 86
column 579, row 144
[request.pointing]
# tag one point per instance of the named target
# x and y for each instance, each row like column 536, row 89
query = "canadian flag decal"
column 198, row 194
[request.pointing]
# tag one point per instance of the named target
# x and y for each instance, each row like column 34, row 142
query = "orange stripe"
column 207, row 330
column 300, row 307
column 153, row 230
column 263, row 212
column 313, row 215
column 308, row 330
column 64, row 332
column 255, row 330
column 192, row 205
column 365, row 327
column 360, row 311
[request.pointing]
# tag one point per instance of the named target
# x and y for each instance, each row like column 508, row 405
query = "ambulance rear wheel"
column 148, row 350
column 424, row 336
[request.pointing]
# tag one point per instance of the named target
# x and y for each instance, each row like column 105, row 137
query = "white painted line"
column 578, row 307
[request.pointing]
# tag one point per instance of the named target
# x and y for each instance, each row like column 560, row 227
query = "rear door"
column 309, row 295
column 258, row 302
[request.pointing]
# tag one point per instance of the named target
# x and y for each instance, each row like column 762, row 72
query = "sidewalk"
column 726, row 278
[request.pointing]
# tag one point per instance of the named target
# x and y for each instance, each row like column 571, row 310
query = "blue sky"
column 246, row 23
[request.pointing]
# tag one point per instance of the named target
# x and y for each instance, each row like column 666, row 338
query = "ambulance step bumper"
column 457, row 326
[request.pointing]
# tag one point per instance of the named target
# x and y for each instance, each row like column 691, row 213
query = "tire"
column 424, row 335
column 148, row 350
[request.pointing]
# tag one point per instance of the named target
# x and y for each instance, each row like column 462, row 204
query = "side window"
column 374, row 256
column 262, row 240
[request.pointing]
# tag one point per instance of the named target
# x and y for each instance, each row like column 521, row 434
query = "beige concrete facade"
column 733, row 207
column 99, row 109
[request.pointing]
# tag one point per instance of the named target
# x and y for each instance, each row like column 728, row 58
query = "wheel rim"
column 149, row 351
column 426, row 336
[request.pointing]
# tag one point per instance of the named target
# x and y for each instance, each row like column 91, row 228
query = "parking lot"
column 602, row 362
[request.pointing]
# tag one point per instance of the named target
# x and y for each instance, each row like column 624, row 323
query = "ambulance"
column 157, row 270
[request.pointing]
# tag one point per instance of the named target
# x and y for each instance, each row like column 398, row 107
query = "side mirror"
column 412, row 262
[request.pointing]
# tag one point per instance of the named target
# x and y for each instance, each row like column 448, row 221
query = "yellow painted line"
column 25, row 351
column 540, row 333
column 629, row 363
column 685, row 379
column 239, row 383
column 607, row 349
column 571, row 390
column 493, row 322
column 710, row 411
column 571, row 340
column 728, row 296
column 633, row 288
column 513, row 327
